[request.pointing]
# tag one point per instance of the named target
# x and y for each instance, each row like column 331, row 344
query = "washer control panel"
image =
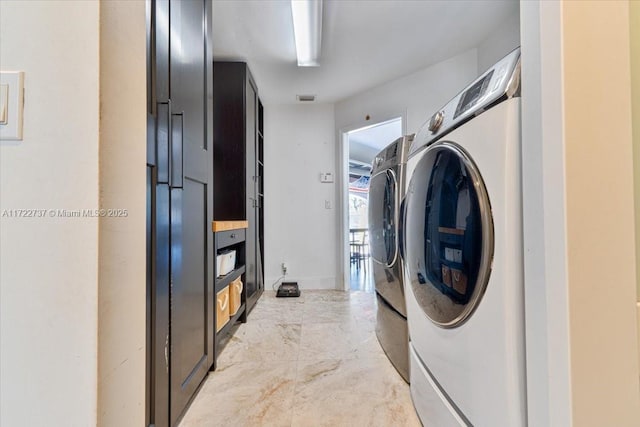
column 500, row 82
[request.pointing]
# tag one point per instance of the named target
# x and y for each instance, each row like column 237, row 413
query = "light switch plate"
column 13, row 105
column 4, row 103
column 326, row 177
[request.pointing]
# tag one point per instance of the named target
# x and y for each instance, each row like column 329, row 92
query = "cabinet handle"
column 177, row 150
column 163, row 132
column 166, row 353
column 400, row 232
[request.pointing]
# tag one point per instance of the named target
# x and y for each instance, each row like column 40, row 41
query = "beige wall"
column 634, row 26
column 72, row 290
column 600, row 214
column 121, row 297
column 49, row 265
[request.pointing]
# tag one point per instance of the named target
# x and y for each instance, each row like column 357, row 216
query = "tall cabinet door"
column 260, row 200
column 158, row 215
column 179, row 206
column 191, row 203
column 250, row 142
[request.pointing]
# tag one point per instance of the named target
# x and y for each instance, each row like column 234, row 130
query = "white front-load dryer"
column 463, row 257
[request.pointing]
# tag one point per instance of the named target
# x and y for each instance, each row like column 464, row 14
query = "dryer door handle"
column 401, row 228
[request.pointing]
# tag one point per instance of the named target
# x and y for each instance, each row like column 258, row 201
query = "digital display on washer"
column 473, row 94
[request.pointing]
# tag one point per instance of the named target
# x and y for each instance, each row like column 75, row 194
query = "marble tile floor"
column 310, row 361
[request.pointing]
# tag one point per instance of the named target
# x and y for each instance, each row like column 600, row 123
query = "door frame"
column 343, row 261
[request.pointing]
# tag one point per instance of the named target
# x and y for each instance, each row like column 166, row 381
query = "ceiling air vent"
column 306, row 98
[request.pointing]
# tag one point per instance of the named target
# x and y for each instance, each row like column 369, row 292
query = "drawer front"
column 231, row 237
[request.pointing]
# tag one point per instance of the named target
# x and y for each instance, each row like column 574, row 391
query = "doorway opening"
column 360, row 147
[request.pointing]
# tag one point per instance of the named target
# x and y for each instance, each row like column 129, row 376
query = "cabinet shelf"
column 223, row 281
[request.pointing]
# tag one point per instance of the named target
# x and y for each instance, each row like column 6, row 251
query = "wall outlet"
column 284, row 268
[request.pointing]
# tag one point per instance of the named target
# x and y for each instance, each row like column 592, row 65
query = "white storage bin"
column 226, row 262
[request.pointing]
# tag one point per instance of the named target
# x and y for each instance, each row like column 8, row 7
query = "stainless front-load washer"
column 386, row 189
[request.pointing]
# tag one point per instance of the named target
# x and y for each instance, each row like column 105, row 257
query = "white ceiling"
column 364, row 42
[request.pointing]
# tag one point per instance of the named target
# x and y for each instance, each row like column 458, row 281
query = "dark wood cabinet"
column 239, row 163
column 259, row 211
column 180, row 288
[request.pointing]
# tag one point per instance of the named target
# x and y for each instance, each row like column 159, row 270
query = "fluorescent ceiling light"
column 307, row 28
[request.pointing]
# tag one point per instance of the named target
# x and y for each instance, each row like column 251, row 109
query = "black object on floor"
column 288, row 289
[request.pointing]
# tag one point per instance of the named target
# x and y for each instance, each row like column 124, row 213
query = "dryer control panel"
column 393, row 154
column 500, row 82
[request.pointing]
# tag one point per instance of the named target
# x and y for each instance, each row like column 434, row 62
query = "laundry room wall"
column 417, row 95
column 547, row 331
column 500, row 42
column 299, row 229
column 49, row 265
column 634, row 27
column 600, row 213
column 122, row 261
column 634, row 18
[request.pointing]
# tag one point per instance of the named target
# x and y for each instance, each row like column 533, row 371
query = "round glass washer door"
column 383, row 212
column 449, row 240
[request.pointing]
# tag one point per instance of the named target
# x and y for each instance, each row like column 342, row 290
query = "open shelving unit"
column 229, row 235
